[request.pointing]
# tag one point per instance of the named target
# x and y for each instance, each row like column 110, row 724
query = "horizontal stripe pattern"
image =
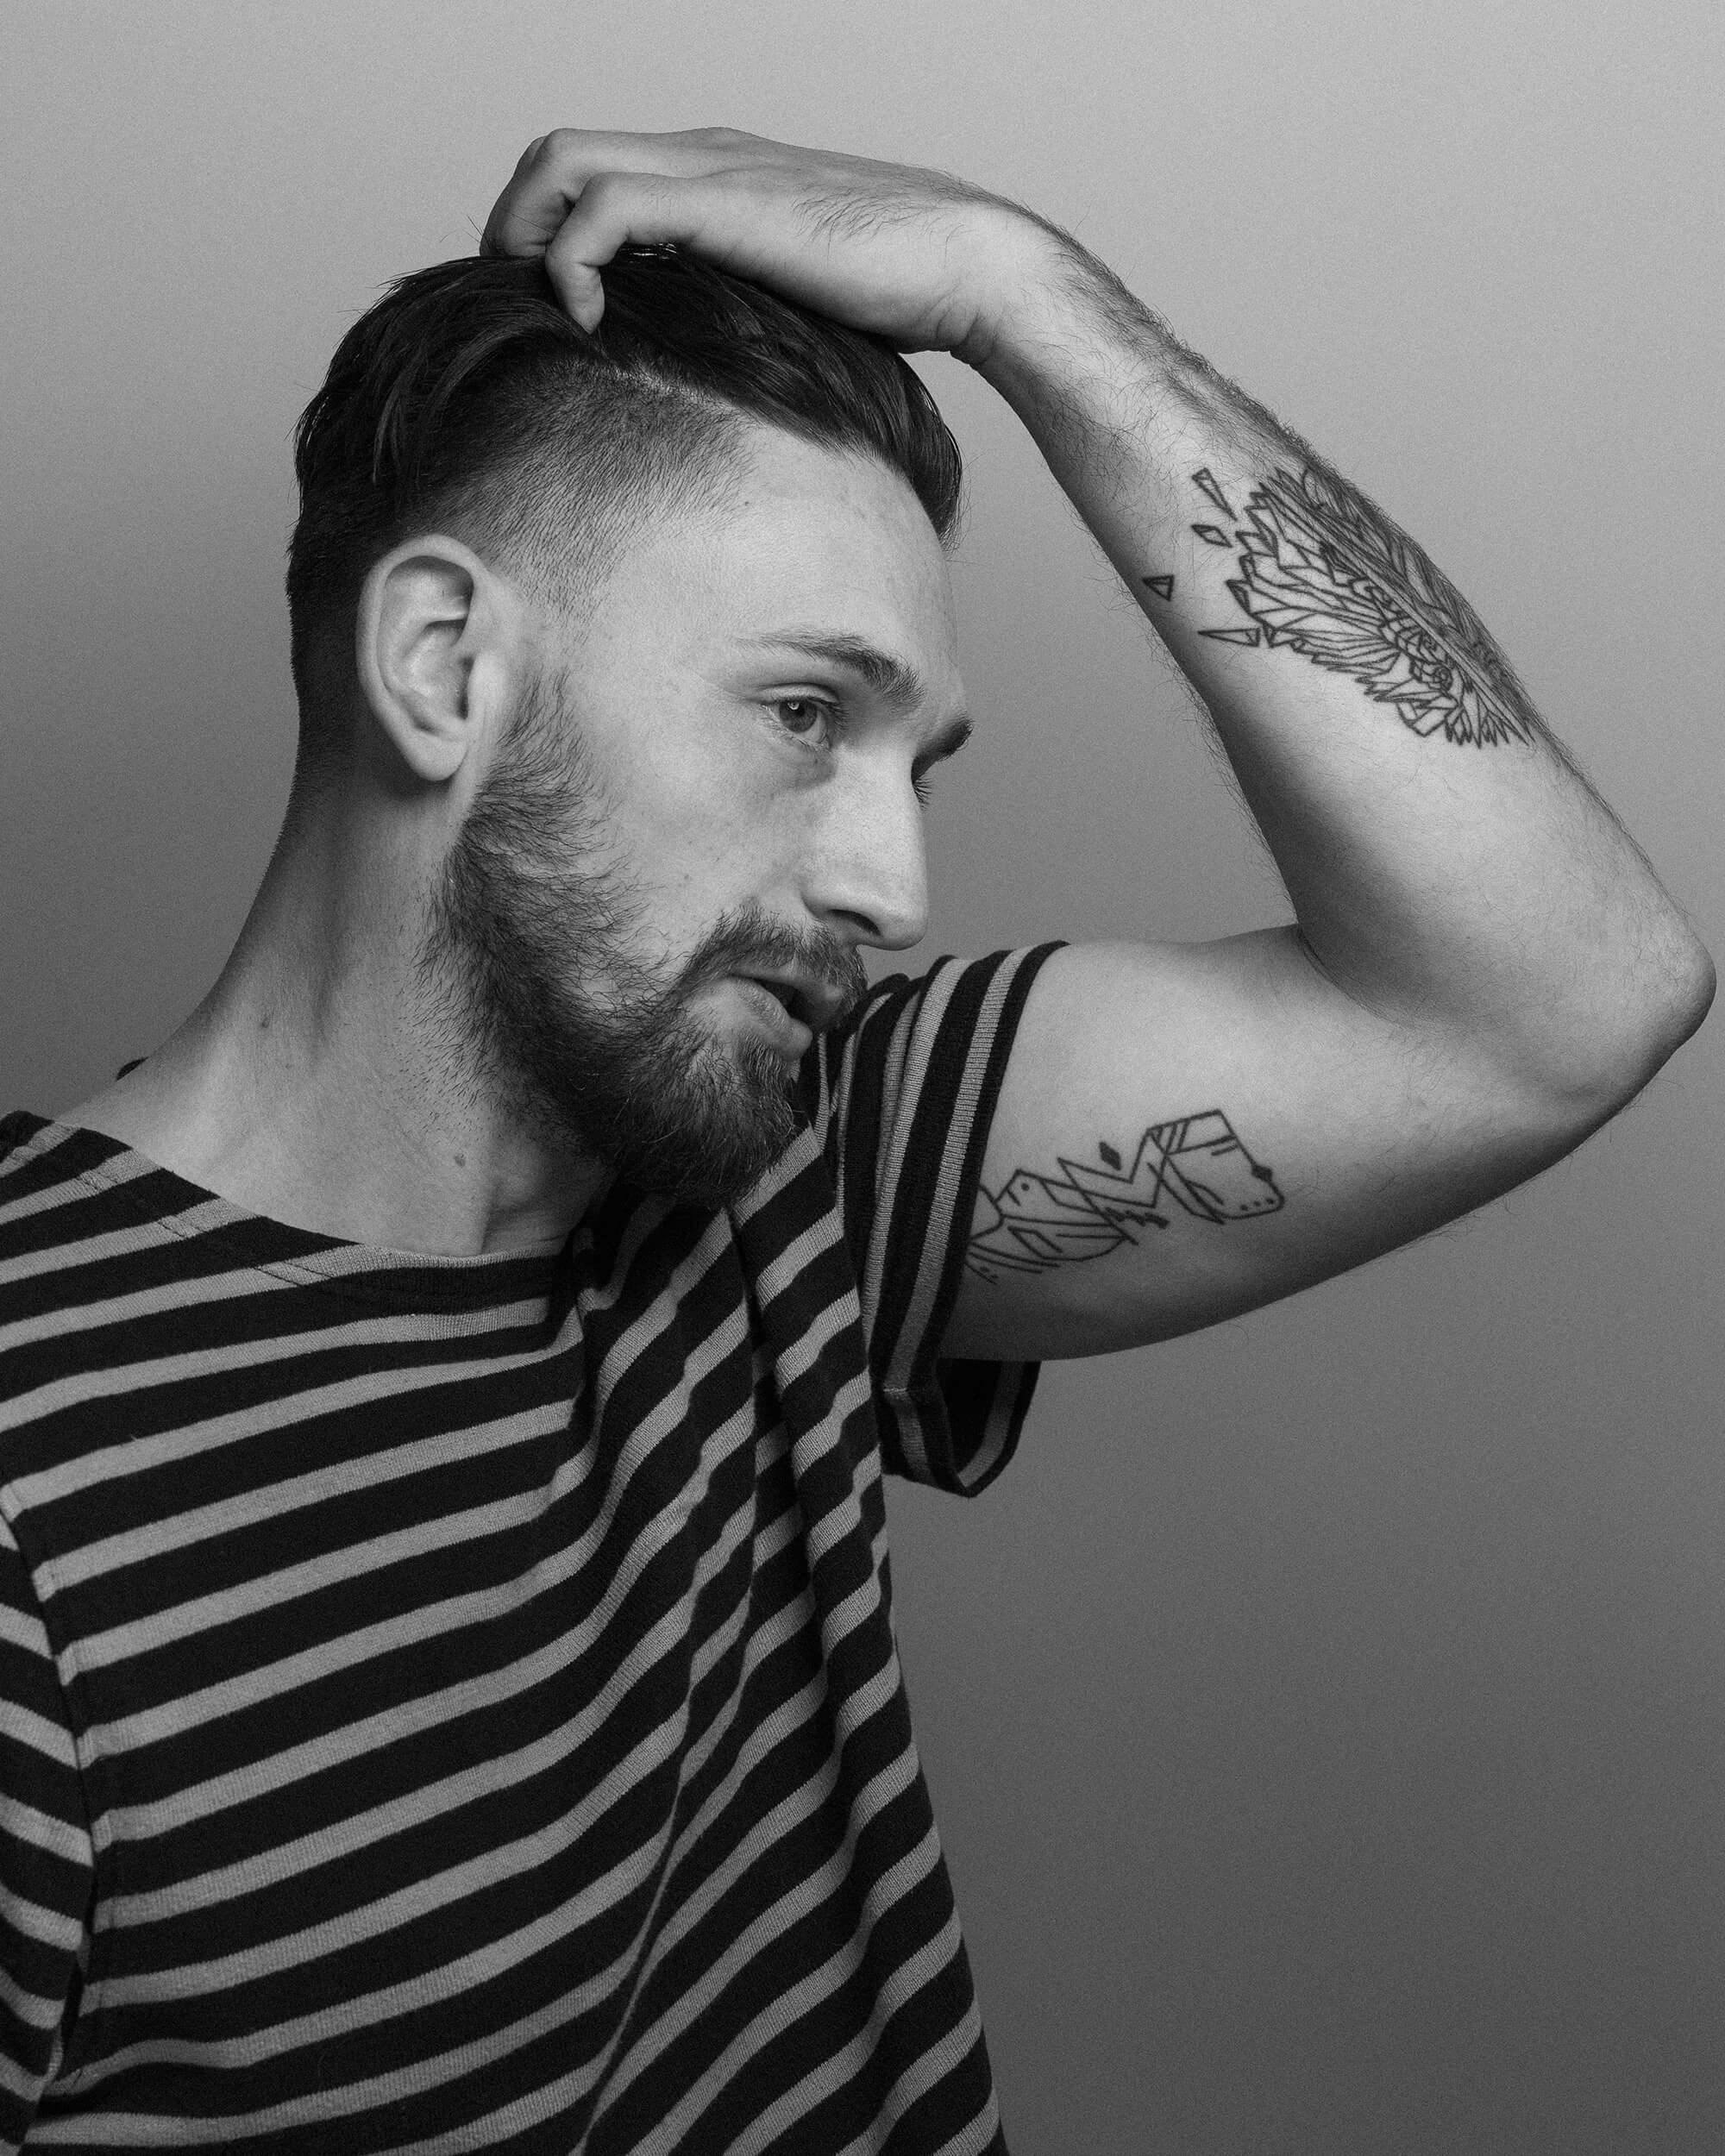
column 453, row 1704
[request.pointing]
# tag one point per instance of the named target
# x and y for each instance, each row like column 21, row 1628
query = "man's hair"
column 467, row 400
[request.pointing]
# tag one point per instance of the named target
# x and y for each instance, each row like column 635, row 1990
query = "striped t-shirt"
column 452, row 1703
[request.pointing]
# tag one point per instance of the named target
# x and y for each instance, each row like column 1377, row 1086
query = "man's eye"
column 804, row 715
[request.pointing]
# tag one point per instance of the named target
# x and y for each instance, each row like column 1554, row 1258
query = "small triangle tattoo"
column 1162, row 586
column 1206, row 482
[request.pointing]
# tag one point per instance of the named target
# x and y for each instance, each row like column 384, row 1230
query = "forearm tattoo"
column 1325, row 572
column 1196, row 1165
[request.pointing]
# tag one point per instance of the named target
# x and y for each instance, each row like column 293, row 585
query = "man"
column 450, row 1692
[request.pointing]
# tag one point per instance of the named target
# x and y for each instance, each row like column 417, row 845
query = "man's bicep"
column 1187, row 1130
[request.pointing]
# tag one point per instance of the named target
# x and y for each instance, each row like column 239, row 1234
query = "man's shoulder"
column 43, row 1170
column 58, row 1187
column 63, row 1214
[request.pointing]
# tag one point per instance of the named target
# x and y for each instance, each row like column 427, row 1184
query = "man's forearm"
column 1447, row 864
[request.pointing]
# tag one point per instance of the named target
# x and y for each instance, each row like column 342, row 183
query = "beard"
column 531, row 963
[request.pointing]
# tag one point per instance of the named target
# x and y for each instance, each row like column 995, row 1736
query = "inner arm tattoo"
column 1324, row 571
column 1033, row 1223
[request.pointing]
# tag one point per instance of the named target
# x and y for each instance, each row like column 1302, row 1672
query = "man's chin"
column 711, row 1176
column 706, row 1134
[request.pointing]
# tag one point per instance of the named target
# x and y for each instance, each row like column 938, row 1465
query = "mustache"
column 748, row 939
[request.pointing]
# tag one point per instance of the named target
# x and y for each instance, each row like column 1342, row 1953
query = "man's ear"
column 437, row 650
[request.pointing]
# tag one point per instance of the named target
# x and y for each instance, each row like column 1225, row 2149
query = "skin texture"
column 1481, row 967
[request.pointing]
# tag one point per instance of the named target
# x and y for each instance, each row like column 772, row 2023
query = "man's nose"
column 869, row 876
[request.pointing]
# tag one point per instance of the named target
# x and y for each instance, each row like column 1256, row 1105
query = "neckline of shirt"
column 375, row 1272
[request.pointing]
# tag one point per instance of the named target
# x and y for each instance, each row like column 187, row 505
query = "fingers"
column 764, row 210
column 618, row 210
column 528, row 211
column 554, row 168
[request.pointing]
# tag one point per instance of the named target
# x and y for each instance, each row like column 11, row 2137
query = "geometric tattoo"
column 1033, row 1223
column 1326, row 572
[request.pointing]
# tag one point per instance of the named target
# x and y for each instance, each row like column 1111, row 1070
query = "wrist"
column 1062, row 326
column 1022, row 267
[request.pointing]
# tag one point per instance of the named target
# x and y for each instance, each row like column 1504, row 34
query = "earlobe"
column 425, row 628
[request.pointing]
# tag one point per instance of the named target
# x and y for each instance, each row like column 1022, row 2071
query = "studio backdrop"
column 1326, row 1714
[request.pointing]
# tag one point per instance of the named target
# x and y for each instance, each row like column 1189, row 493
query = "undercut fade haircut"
column 468, row 401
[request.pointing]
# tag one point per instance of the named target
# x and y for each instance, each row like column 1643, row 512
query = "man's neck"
column 308, row 1086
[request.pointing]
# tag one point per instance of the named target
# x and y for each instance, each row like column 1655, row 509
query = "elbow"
column 1695, row 996
column 1630, row 1033
column 1679, row 993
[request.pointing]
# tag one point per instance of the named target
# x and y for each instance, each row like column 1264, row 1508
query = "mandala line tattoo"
column 1326, row 573
column 1033, row 1223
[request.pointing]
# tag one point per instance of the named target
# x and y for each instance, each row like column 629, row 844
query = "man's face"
column 713, row 786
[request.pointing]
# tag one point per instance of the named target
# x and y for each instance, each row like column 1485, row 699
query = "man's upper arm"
column 1187, row 1130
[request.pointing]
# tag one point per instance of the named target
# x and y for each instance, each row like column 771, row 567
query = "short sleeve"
column 46, row 1867
column 910, row 1086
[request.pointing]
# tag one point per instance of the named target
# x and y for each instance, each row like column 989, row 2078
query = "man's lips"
column 814, row 1003
column 768, row 1005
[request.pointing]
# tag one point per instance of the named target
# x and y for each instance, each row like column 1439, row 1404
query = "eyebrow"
column 893, row 679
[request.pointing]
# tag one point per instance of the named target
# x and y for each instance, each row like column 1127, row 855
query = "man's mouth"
column 813, row 1003
column 779, row 1006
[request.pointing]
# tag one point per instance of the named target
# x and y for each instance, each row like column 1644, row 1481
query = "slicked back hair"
column 468, row 401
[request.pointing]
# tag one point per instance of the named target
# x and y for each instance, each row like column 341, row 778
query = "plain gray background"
column 1324, row 1713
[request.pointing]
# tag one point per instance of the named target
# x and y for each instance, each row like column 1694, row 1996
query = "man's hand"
column 923, row 260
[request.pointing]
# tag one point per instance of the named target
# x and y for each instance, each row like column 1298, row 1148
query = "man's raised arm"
column 1483, row 968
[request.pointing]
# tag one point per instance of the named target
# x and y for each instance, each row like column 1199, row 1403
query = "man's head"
column 467, row 402
column 655, row 624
